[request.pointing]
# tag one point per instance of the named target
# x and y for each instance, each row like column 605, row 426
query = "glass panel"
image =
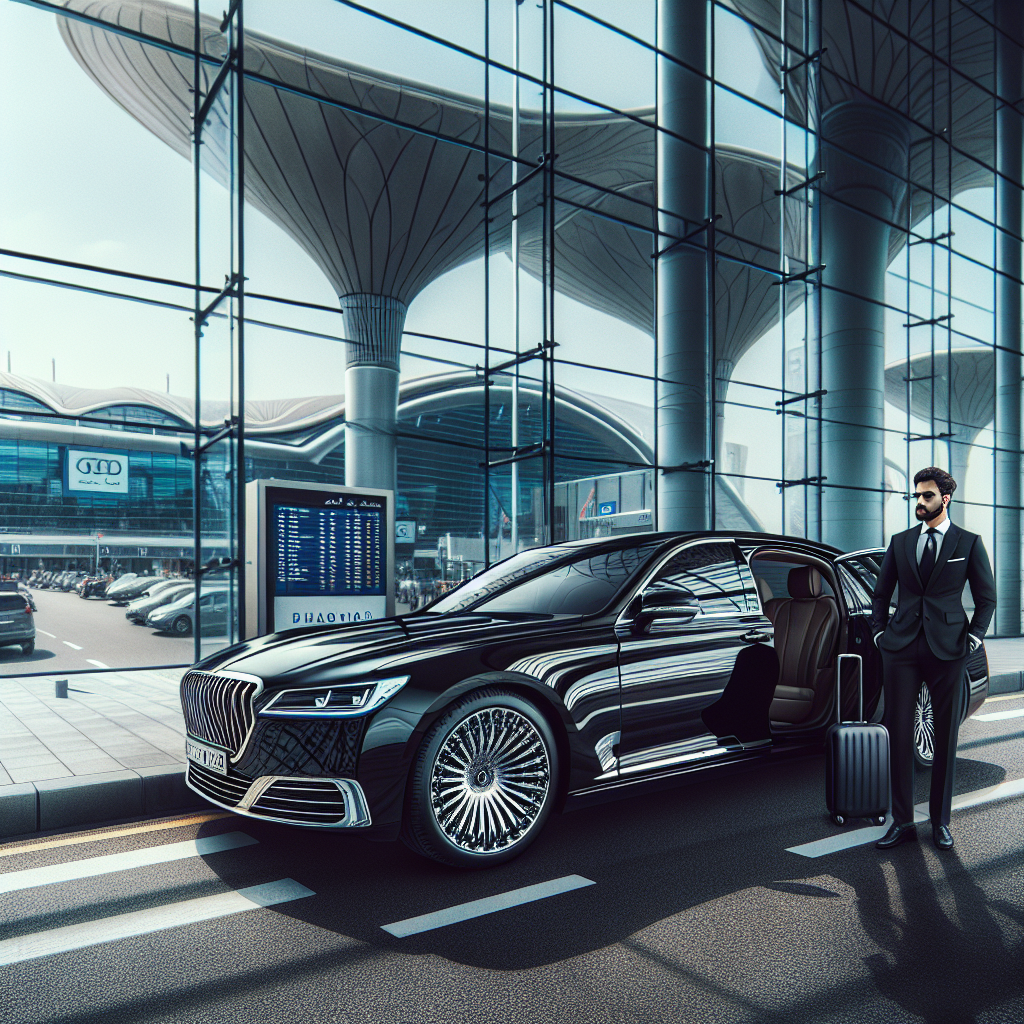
column 711, row 572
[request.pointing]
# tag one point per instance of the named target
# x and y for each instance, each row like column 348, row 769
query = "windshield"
column 519, row 585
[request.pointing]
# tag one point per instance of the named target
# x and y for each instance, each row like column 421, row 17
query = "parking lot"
column 75, row 634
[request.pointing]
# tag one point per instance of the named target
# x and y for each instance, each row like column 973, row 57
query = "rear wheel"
column 924, row 729
column 483, row 781
column 28, row 648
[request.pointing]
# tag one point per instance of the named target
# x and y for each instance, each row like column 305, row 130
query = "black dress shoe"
column 905, row 833
column 942, row 837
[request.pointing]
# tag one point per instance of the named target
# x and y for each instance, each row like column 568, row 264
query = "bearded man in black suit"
column 928, row 640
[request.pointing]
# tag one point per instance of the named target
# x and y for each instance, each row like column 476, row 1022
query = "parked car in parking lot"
column 179, row 616
column 17, row 621
column 562, row 675
column 161, row 592
column 121, row 593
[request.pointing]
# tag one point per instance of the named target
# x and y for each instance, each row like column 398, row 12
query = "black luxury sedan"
column 562, row 675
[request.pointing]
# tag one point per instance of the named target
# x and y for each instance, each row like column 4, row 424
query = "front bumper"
column 289, row 799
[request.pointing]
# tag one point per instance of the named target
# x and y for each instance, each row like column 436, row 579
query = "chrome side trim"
column 357, row 810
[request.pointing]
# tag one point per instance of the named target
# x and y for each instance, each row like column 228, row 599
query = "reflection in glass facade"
column 550, row 271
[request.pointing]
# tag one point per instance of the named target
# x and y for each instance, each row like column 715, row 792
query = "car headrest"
column 804, row 582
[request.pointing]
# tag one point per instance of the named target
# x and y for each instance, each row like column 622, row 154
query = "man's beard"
column 923, row 514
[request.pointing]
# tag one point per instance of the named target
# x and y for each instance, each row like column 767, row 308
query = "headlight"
column 344, row 700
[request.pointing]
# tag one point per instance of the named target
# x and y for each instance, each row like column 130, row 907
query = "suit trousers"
column 903, row 673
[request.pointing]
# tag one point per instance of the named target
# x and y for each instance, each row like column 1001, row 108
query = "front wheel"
column 182, row 625
column 483, row 782
column 924, row 729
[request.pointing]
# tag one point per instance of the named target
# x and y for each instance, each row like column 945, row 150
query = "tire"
column 28, row 648
column 924, row 729
column 182, row 626
column 493, row 756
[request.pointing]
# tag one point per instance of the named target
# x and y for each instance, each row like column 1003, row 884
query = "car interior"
column 801, row 602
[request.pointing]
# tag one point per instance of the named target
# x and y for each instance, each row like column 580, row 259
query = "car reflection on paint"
column 562, row 675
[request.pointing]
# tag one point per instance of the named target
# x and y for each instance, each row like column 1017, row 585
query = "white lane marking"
column 142, row 922
column 98, row 664
column 990, row 795
column 846, row 840
column 70, row 644
column 488, row 905
column 863, row 836
column 43, row 631
column 997, row 716
column 14, row 881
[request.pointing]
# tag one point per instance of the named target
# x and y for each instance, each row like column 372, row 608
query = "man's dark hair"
column 945, row 483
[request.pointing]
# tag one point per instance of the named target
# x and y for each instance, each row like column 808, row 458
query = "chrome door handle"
column 755, row 636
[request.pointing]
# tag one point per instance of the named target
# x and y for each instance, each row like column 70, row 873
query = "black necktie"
column 928, row 558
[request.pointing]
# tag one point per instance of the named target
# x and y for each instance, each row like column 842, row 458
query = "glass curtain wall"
column 549, row 270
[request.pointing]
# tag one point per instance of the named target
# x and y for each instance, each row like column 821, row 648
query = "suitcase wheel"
column 838, row 819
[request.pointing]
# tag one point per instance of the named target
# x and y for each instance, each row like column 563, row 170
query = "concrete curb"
column 93, row 799
column 1005, row 682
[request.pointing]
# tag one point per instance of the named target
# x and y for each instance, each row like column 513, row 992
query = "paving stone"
column 40, row 773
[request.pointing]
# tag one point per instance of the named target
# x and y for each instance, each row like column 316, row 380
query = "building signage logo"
column 100, row 473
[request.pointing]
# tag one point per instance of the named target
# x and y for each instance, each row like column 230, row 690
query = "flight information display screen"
column 328, row 558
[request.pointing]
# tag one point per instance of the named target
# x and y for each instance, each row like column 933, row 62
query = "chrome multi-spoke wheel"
column 489, row 780
column 484, row 781
column 924, row 728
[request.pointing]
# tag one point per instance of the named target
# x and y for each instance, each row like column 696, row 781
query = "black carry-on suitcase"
column 856, row 761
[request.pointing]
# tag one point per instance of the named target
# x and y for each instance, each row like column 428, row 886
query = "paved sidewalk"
column 114, row 747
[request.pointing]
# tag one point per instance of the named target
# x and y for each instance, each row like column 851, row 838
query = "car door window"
column 582, row 587
column 711, row 572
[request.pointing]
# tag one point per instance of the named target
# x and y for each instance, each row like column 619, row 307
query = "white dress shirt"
column 922, row 539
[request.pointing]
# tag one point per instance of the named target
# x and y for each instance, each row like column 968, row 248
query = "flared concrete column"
column 1009, row 139
column 865, row 149
column 684, row 387
column 373, row 325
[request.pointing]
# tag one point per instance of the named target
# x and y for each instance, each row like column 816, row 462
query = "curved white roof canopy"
column 384, row 211
column 968, row 394
column 275, row 422
column 865, row 61
column 381, row 209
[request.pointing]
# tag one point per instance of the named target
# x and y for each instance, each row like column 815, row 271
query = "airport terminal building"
column 545, row 271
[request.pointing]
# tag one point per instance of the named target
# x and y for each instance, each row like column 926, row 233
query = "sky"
column 82, row 181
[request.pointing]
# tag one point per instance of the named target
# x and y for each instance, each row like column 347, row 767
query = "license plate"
column 208, row 757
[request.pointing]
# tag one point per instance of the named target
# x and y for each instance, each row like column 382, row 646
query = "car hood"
column 383, row 645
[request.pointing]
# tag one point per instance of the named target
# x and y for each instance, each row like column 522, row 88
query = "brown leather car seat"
column 806, row 624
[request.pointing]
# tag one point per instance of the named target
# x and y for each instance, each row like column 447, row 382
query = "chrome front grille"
column 223, row 789
column 303, row 801
column 219, row 708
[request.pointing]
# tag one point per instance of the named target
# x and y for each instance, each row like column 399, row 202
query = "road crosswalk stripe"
column 996, row 716
column 487, row 905
column 863, row 836
column 15, row 881
column 143, row 922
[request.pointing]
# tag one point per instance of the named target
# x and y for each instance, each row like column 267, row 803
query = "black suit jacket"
column 935, row 607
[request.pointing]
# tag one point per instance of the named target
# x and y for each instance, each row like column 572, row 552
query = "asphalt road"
column 72, row 633
column 702, row 907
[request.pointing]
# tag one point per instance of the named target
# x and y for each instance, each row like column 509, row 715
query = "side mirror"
column 665, row 601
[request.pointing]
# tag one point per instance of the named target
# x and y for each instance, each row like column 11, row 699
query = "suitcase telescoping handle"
column 860, row 685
